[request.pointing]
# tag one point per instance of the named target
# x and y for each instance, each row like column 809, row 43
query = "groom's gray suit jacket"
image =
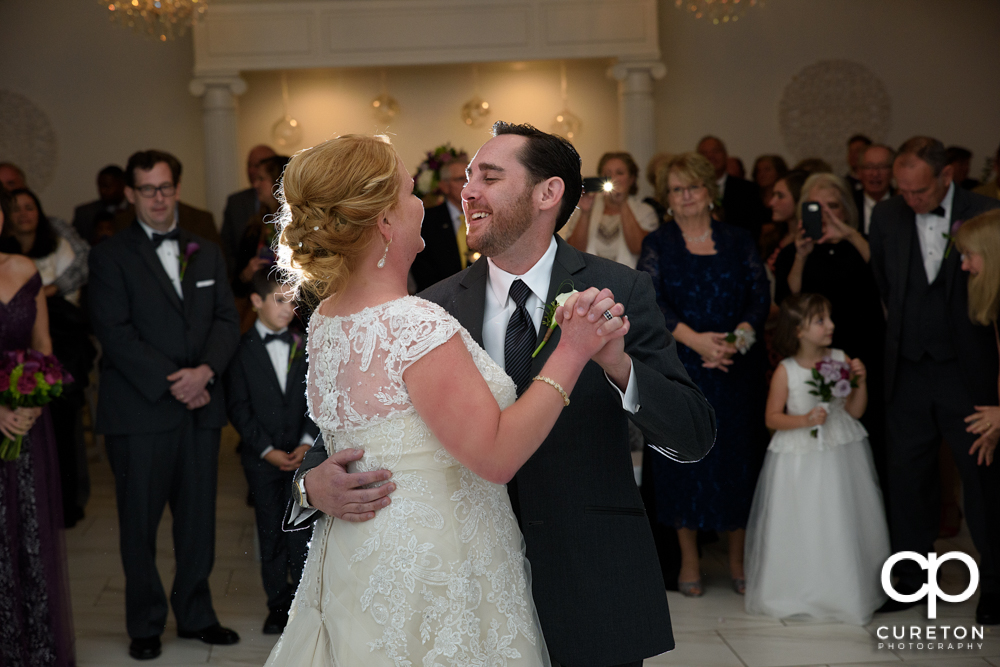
column 595, row 575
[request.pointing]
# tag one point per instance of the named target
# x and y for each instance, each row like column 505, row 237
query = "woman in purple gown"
column 35, row 621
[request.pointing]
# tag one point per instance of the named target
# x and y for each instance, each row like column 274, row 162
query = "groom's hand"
column 591, row 304
column 334, row 491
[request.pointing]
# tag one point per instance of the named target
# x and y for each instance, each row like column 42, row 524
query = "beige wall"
column 109, row 92
column 937, row 58
column 332, row 102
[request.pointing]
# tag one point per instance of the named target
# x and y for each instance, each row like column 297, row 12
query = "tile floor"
column 712, row 631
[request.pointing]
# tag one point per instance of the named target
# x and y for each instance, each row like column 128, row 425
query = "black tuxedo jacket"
column 84, row 216
column 893, row 226
column 742, row 206
column 147, row 332
column 596, row 580
column 439, row 258
column 859, row 203
column 264, row 415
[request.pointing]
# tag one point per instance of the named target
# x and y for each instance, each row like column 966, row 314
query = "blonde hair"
column 331, row 197
column 825, row 181
column 691, row 167
column 981, row 235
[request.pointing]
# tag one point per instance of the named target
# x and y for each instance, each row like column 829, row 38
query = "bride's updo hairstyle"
column 332, row 196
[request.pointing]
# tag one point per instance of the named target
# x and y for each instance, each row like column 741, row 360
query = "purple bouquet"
column 831, row 379
column 28, row 379
column 427, row 178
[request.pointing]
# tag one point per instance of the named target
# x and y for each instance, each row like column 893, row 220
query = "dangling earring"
column 670, row 212
column 711, row 206
column 381, row 262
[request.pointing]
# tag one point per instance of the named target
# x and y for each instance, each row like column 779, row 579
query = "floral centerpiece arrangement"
column 428, row 176
column 831, row 379
column 28, row 379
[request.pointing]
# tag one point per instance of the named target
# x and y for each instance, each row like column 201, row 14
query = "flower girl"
column 817, row 536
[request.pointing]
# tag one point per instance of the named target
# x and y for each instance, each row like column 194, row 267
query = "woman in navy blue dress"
column 710, row 282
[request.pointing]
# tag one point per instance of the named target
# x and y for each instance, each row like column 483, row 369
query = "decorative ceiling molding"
column 355, row 33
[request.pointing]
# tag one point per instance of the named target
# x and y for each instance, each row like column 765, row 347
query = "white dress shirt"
column 869, row 205
column 499, row 308
column 169, row 254
column 931, row 230
column 278, row 351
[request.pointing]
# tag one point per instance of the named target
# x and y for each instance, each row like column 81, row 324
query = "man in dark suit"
column 161, row 307
column 266, row 396
column 240, row 206
column 856, row 147
column 875, row 174
column 111, row 200
column 741, row 202
column 596, row 580
column 939, row 365
column 445, row 251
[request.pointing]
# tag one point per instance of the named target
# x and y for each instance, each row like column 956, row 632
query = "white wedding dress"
column 438, row 577
column 817, row 537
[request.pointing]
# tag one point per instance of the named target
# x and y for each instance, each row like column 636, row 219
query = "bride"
column 438, row 577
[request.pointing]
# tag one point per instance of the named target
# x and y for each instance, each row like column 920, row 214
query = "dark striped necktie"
column 520, row 339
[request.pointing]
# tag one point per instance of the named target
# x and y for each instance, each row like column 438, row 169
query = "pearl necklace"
column 697, row 239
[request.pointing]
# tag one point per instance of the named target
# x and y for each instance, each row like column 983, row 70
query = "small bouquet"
column 831, row 379
column 295, row 352
column 549, row 318
column 950, row 237
column 185, row 259
column 28, row 379
column 743, row 339
column 428, row 176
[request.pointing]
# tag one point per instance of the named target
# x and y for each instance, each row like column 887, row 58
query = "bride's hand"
column 585, row 327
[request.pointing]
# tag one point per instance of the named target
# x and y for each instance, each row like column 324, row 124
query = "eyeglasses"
column 149, row 191
column 690, row 189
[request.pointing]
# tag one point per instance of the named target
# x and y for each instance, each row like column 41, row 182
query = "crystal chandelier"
column 160, row 19
column 717, row 11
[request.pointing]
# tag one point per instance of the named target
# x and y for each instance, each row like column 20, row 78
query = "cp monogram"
column 930, row 589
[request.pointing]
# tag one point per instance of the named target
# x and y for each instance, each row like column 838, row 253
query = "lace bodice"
column 437, row 577
column 840, row 428
column 356, row 363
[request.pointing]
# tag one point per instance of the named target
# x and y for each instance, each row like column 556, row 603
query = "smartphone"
column 593, row 184
column 812, row 220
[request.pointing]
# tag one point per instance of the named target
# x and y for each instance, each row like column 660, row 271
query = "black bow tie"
column 284, row 337
column 172, row 235
column 939, row 211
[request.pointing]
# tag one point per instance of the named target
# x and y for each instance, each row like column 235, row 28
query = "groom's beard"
column 508, row 225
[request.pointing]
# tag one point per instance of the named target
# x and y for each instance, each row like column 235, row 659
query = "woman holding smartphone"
column 833, row 261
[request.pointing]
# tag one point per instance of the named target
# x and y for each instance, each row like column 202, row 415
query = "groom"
column 596, row 580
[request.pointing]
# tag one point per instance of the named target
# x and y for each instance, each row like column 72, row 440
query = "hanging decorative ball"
column 476, row 112
column 385, row 108
column 567, row 124
column 287, row 132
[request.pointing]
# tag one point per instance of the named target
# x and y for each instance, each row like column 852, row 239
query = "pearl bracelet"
column 556, row 385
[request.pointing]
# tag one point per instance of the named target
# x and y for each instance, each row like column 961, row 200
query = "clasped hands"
column 716, row 352
column 189, row 386
column 334, row 491
column 18, row 421
column 287, row 461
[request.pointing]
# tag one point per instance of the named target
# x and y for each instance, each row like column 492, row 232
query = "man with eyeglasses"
column 445, row 252
column 161, row 307
column 194, row 220
column 875, row 174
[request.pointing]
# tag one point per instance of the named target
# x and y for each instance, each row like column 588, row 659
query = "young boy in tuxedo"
column 266, row 384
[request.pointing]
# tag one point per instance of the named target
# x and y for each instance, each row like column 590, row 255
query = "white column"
column 636, row 111
column 222, row 160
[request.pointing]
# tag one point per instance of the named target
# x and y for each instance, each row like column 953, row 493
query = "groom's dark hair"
column 547, row 156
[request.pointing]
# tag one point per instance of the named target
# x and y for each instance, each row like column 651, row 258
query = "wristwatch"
column 299, row 486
